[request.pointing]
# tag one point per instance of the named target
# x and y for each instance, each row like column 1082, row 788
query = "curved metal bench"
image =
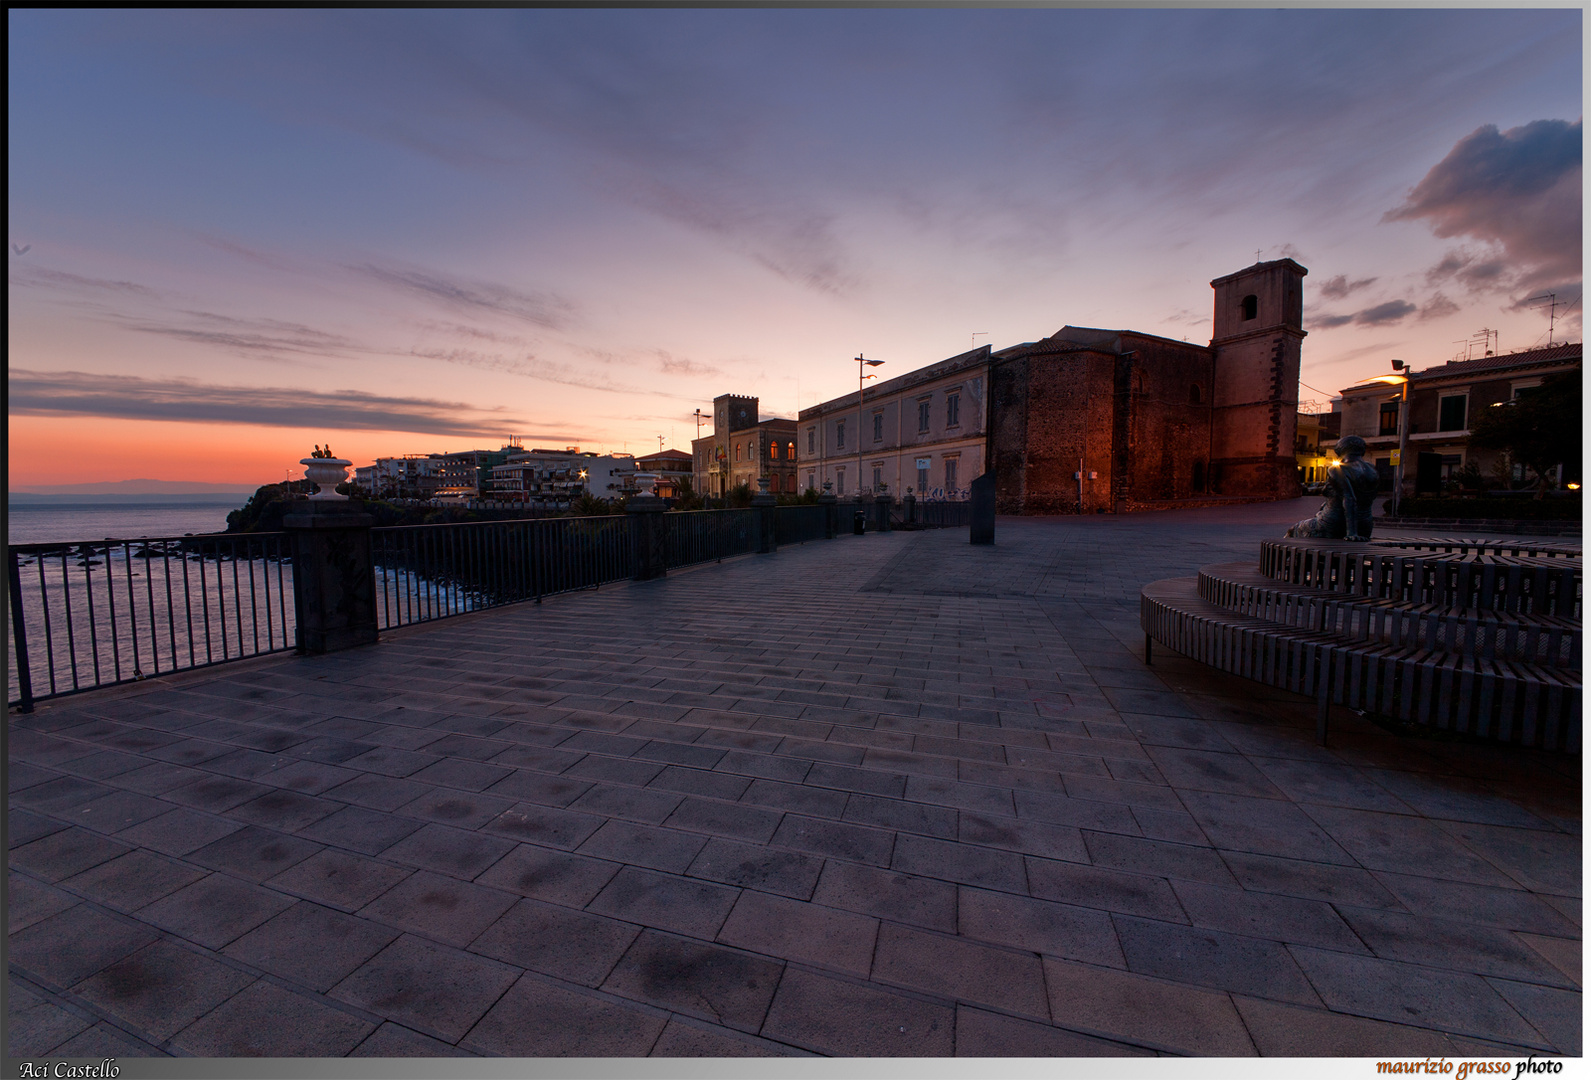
column 1473, row 636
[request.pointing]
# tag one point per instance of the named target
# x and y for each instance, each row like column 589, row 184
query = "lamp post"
column 1402, row 382
column 861, row 381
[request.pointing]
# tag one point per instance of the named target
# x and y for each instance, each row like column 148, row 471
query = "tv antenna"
column 977, row 335
column 1488, row 341
column 660, row 444
column 1552, row 315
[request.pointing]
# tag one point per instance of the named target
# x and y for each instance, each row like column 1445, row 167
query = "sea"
column 85, row 518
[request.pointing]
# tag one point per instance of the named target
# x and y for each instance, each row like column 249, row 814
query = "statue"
column 1351, row 487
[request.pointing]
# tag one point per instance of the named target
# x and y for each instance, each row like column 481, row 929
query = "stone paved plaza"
column 890, row 795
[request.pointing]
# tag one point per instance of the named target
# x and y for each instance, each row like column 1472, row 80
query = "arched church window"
column 1251, row 307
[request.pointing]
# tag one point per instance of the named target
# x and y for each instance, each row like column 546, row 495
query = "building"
column 924, row 431
column 672, row 468
column 411, row 476
column 1442, row 401
column 467, row 474
column 559, row 476
column 744, row 448
column 1089, row 419
column 1314, row 444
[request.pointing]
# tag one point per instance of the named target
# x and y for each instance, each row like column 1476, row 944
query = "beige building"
column 923, row 431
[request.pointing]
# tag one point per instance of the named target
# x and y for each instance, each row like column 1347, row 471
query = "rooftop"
column 918, row 798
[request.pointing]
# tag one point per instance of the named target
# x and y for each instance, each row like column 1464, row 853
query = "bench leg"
column 1149, row 649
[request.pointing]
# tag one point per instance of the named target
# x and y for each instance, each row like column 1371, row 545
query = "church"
column 1087, row 420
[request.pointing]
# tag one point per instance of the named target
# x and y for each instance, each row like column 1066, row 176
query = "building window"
column 812, row 480
column 839, row 435
column 922, row 417
column 922, row 475
column 773, row 451
column 1198, row 475
column 952, row 410
column 790, row 451
column 1389, row 418
column 1251, row 307
column 812, row 440
column 1453, row 410
column 790, row 483
column 878, row 427
column 839, row 481
column 878, row 477
column 1193, row 394
column 950, row 475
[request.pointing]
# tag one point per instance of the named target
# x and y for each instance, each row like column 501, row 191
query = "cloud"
column 1438, row 307
column 129, row 397
column 1517, row 192
column 679, row 365
column 546, row 310
column 1381, row 315
column 263, row 339
column 40, row 277
column 1339, row 287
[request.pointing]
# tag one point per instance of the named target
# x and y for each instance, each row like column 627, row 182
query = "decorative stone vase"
column 326, row 473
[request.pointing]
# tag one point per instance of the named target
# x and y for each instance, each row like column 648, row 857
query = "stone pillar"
column 909, row 507
column 982, row 508
column 831, row 511
column 334, row 575
column 650, row 532
column 765, row 504
column 881, row 507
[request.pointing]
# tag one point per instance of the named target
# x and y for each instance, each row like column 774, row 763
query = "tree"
column 685, row 497
column 740, row 495
column 1539, row 429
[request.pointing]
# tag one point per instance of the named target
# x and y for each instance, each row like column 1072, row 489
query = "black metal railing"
column 799, row 524
column 426, row 572
column 696, row 536
column 931, row 514
column 98, row 613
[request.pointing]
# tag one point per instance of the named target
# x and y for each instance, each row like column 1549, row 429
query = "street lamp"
column 861, row 380
column 1402, row 382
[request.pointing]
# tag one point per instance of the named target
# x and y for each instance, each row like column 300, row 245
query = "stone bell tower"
column 1259, row 333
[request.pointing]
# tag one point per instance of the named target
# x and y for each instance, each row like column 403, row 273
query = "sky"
column 235, row 235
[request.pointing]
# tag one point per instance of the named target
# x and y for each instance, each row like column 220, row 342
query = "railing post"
column 765, row 506
column 648, row 528
column 831, row 511
column 334, row 576
column 20, row 636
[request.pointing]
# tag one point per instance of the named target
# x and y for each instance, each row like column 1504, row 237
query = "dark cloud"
column 262, row 339
column 679, row 365
column 40, row 277
column 127, row 397
column 1517, row 192
column 1381, row 315
column 1339, row 287
column 545, row 310
column 1437, row 307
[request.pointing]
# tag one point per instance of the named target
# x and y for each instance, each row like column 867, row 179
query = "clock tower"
column 731, row 412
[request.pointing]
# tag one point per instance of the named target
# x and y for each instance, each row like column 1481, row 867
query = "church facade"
column 1090, row 420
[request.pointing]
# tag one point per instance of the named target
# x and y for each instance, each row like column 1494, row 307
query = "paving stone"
column 1405, row 993
column 700, row 782
column 24, row 827
column 1510, row 909
column 682, row 905
column 1264, row 826
column 1128, row 793
column 887, row 894
column 753, row 866
column 722, row 985
column 103, row 1041
column 848, row 1019
column 962, row 969
column 725, row 819
column 1193, row 955
column 1404, row 844
column 636, row 804
column 765, row 765
column 807, row 933
column 906, row 816
column 976, row 797
column 73, row 944
column 614, row 770
column 1562, row 953
column 217, row 794
column 1538, row 859
column 284, row 810
column 644, row 845
column 536, row 1019
column 391, row 761
column 310, row 944
column 439, row 907
column 300, row 1026
column 832, row 838
column 987, row 1034
column 396, row 1041
column 254, row 853
column 179, row 832
column 963, row 863
column 1556, row 1014
column 805, row 800
column 1313, row 881
column 682, row 1039
column 1264, row 915
column 1020, row 922
column 446, row 850
column 1449, row 943
column 465, row 810
column 37, row 1029
column 554, row 876
column 338, row 879
column 1083, row 813
column 61, row 854
column 569, row 945
column 354, row 828
column 1144, row 1011
column 133, row 880
column 1289, row 1031
column 426, row 986
column 1018, row 834
column 377, row 792
column 1105, row 889
column 29, row 901
column 162, row 987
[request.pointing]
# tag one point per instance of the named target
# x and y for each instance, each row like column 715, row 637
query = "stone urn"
column 326, row 473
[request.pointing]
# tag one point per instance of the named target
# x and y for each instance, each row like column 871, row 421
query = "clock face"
column 742, row 414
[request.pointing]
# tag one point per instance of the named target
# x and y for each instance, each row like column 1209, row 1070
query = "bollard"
column 334, row 576
column 650, row 536
column 831, row 511
column 765, row 504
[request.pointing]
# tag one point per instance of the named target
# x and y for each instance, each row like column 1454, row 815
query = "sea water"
column 45, row 523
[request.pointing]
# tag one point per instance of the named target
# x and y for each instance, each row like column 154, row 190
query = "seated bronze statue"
column 1351, row 487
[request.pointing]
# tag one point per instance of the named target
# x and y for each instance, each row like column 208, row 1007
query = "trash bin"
column 859, row 525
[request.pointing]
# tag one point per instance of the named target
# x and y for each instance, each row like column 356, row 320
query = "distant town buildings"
column 672, row 468
column 1443, row 400
column 743, row 448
